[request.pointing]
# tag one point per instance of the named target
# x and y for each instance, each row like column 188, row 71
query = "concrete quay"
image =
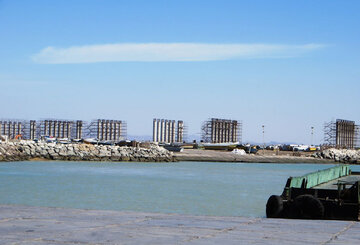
column 41, row 225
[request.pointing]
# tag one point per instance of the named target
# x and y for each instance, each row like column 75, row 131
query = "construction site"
column 168, row 131
column 12, row 129
column 341, row 134
column 108, row 130
column 217, row 130
column 101, row 129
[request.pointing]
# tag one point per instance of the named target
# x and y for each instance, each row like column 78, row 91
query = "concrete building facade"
column 168, row 131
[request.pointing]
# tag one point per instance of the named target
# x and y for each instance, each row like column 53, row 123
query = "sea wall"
column 339, row 155
column 21, row 151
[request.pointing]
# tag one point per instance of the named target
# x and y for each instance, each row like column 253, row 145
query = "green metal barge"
column 332, row 193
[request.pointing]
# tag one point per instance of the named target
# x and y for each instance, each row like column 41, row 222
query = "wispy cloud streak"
column 167, row 52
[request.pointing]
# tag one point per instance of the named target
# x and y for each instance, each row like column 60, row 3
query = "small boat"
column 173, row 148
column 106, row 142
column 124, row 143
column 219, row 146
column 63, row 141
column 50, row 139
column 77, row 140
column 90, row 141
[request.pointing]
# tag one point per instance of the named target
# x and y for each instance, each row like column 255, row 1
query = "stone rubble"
column 339, row 155
column 21, row 151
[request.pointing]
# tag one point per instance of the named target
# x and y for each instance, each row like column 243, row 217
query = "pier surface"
column 41, row 225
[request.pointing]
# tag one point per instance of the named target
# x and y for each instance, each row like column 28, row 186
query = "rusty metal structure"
column 168, row 131
column 217, row 130
column 107, row 130
column 341, row 134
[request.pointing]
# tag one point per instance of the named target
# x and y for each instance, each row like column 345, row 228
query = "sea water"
column 199, row 188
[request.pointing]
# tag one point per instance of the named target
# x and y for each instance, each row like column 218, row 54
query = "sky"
column 288, row 65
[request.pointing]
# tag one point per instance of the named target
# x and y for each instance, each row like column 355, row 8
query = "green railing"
column 319, row 177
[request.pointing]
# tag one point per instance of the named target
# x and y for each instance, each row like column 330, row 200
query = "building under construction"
column 341, row 134
column 31, row 131
column 56, row 128
column 12, row 129
column 217, row 130
column 168, row 131
column 112, row 130
column 107, row 130
column 18, row 129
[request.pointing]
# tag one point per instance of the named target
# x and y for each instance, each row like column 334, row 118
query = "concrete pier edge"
column 44, row 225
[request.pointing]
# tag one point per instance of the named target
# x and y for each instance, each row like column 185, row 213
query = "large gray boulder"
column 18, row 151
column 340, row 155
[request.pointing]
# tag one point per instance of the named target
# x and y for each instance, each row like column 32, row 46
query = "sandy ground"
column 260, row 157
column 39, row 225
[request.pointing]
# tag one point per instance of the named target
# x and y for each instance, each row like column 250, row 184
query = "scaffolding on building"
column 31, row 133
column 55, row 128
column 78, row 134
column 12, row 129
column 113, row 130
column 107, row 130
column 341, row 134
column 217, row 130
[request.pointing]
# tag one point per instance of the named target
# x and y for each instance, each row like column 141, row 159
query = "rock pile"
column 20, row 151
column 339, row 155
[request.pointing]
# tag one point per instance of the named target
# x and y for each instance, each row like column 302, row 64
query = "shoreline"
column 199, row 158
column 151, row 152
column 226, row 156
column 45, row 225
column 25, row 151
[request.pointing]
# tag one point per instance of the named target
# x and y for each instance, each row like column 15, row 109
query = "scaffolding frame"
column 341, row 134
column 106, row 130
column 57, row 128
column 113, row 130
column 216, row 130
column 12, row 128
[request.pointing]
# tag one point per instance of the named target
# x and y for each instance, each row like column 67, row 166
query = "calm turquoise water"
column 225, row 189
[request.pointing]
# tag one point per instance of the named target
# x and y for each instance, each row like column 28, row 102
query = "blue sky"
column 288, row 65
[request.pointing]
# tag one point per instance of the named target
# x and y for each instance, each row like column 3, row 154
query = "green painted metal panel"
column 319, row 177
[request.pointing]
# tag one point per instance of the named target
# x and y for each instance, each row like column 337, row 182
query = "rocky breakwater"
column 21, row 151
column 339, row 155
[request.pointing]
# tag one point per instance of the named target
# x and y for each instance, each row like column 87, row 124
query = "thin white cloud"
column 163, row 52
